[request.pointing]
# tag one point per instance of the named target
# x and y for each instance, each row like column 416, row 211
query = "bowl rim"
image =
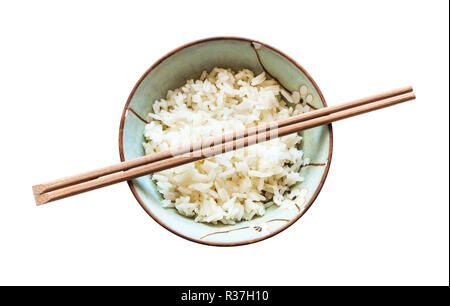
column 237, row 243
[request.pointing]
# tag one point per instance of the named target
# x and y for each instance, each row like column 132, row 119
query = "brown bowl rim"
column 141, row 202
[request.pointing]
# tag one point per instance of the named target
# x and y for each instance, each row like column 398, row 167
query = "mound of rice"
column 236, row 185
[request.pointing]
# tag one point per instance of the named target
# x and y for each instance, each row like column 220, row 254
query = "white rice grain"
column 237, row 185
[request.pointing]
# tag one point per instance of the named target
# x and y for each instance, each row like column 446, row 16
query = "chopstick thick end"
column 39, row 197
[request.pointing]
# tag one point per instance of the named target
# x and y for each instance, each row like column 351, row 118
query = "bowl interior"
column 189, row 62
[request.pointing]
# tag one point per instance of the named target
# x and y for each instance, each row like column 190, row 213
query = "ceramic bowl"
column 188, row 62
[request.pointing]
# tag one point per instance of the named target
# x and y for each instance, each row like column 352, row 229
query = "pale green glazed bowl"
column 188, row 62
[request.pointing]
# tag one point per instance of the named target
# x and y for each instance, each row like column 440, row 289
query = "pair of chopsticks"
column 152, row 163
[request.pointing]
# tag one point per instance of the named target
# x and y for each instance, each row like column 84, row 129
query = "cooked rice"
column 236, row 185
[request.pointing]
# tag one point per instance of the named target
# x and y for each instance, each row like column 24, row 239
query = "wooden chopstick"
column 201, row 153
column 126, row 165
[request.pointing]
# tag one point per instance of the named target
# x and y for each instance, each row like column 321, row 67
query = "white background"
column 66, row 70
